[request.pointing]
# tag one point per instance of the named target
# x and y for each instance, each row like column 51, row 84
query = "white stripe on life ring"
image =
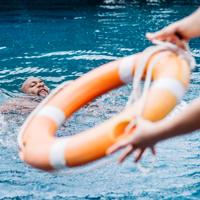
column 126, row 68
column 57, row 153
column 171, row 84
column 57, row 115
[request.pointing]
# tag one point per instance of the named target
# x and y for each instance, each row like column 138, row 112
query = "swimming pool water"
column 59, row 45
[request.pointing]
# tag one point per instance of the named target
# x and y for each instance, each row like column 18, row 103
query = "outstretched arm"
column 185, row 122
column 147, row 134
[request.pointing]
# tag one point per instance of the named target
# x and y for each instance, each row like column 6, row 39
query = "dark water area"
column 59, row 41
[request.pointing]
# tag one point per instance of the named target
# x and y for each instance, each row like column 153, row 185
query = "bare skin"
column 35, row 86
column 32, row 86
column 147, row 133
column 179, row 32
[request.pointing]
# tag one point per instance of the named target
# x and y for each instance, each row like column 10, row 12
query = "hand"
column 142, row 137
column 179, row 32
column 171, row 33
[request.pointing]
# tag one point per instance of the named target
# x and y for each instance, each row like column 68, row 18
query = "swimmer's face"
column 36, row 87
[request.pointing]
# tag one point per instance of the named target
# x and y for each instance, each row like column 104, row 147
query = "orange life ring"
column 41, row 149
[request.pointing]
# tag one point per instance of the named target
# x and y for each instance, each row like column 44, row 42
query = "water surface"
column 60, row 45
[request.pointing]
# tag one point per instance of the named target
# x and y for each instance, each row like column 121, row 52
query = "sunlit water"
column 60, row 45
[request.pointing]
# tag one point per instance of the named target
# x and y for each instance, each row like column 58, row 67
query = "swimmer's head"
column 35, row 86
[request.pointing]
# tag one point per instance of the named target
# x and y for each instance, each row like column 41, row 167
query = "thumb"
column 153, row 150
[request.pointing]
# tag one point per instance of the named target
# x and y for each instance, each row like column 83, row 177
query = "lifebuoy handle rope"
column 136, row 83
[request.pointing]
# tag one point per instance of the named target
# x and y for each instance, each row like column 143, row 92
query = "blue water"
column 60, row 45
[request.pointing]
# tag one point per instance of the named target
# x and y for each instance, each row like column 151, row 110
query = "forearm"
column 185, row 122
column 190, row 26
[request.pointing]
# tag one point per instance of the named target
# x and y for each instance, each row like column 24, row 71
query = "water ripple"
column 63, row 45
column 93, row 57
column 2, row 48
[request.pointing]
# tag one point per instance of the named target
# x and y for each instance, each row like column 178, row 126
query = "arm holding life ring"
column 148, row 134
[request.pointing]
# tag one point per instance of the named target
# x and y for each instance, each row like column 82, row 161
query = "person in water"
column 147, row 133
column 35, row 86
column 35, row 90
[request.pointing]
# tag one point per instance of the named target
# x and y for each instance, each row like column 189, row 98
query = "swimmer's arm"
column 7, row 107
column 185, row 122
column 17, row 106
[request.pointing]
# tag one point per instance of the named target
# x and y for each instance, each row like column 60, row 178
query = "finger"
column 126, row 153
column 153, row 150
column 163, row 33
column 181, row 44
column 176, row 40
column 150, row 36
column 117, row 146
column 139, row 155
column 160, row 35
column 179, row 35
